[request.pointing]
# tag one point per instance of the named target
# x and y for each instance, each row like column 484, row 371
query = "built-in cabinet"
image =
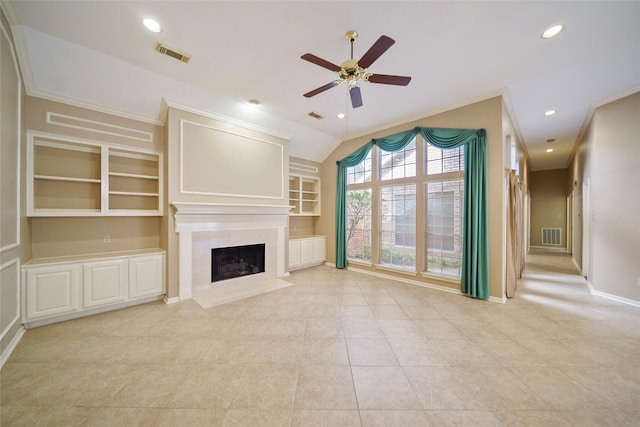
column 307, row 251
column 63, row 288
column 304, row 195
column 72, row 177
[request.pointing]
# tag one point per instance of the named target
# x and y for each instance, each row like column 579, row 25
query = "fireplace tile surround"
column 205, row 226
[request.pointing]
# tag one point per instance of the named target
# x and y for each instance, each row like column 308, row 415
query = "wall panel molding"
column 10, row 146
column 223, row 162
column 104, row 128
column 9, row 291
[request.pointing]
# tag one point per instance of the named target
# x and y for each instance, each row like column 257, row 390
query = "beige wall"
column 605, row 165
column 64, row 236
column 12, row 235
column 244, row 178
column 548, row 192
column 485, row 114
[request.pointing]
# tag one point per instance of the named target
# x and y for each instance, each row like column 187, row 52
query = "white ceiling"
column 97, row 54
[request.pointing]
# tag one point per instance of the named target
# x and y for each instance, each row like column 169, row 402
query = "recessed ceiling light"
column 550, row 112
column 341, row 116
column 253, row 102
column 152, row 25
column 549, row 150
column 552, row 31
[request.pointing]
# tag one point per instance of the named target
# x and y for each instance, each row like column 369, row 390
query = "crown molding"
column 591, row 111
column 167, row 103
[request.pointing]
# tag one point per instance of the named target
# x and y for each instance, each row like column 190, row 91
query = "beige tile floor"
column 340, row 349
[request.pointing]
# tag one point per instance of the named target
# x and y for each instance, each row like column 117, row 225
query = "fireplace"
column 237, row 261
column 202, row 227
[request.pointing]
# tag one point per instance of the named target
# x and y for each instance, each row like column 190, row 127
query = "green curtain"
column 475, row 246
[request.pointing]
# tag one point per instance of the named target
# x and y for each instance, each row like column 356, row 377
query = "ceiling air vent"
column 172, row 53
column 316, row 115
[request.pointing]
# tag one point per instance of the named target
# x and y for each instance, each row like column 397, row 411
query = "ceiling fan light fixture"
column 151, row 25
column 552, row 31
column 353, row 71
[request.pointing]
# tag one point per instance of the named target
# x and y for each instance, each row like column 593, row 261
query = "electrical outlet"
column 106, row 239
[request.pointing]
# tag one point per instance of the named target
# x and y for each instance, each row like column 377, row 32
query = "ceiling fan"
column 352, row 72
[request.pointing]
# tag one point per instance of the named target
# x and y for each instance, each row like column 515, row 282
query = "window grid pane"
column 399, row 164
column 361, row 172
column 443, row 226
column 398, row 226
column 439, row 161
column 359, row 225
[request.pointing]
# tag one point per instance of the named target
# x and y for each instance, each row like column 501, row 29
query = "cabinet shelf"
column 131, row 175
column 129, row 193
column 74, row 177
column 66, row 178
column 304, row 195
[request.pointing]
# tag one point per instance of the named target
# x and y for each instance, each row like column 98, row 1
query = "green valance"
column 475, row 247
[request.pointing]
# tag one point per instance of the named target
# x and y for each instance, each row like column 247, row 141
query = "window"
column 359, row 225
column 385, row 193
column 398, row 226
column 444, row 199
column 439, row 161
column 361, row 172
column 399, row 164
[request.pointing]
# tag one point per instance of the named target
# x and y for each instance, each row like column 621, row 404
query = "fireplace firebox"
column 236, row 261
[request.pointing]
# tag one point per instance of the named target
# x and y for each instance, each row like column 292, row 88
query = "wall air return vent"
column 551, row 236
column 172, row 53
column 316, row 115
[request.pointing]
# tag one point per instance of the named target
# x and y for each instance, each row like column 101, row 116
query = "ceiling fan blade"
column 389, row 80
column 375, row 51
column 320, row 89
column 356, row 96
column 321, row 62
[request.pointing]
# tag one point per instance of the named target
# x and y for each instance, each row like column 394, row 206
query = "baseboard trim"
column 612, row 297
column 12, row 345
column 549, row 249
column 35, row 323
column 171, row 300
column 418, row 283
column 575, row 264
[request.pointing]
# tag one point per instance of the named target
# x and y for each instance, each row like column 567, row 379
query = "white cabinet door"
column 104, row 282
column 145, row 276
column 319, row 249
column 306, row 251
column 51, row 290
column 294, row 253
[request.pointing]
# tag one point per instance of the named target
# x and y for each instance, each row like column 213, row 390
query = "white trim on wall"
column 16, row 318
column 612, row 297
column 104, row 128
column 184, row 169
column 223, row 118
column 16, row 206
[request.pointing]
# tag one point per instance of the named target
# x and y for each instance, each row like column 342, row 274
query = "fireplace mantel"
column 195, row 209
column 197, row 218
